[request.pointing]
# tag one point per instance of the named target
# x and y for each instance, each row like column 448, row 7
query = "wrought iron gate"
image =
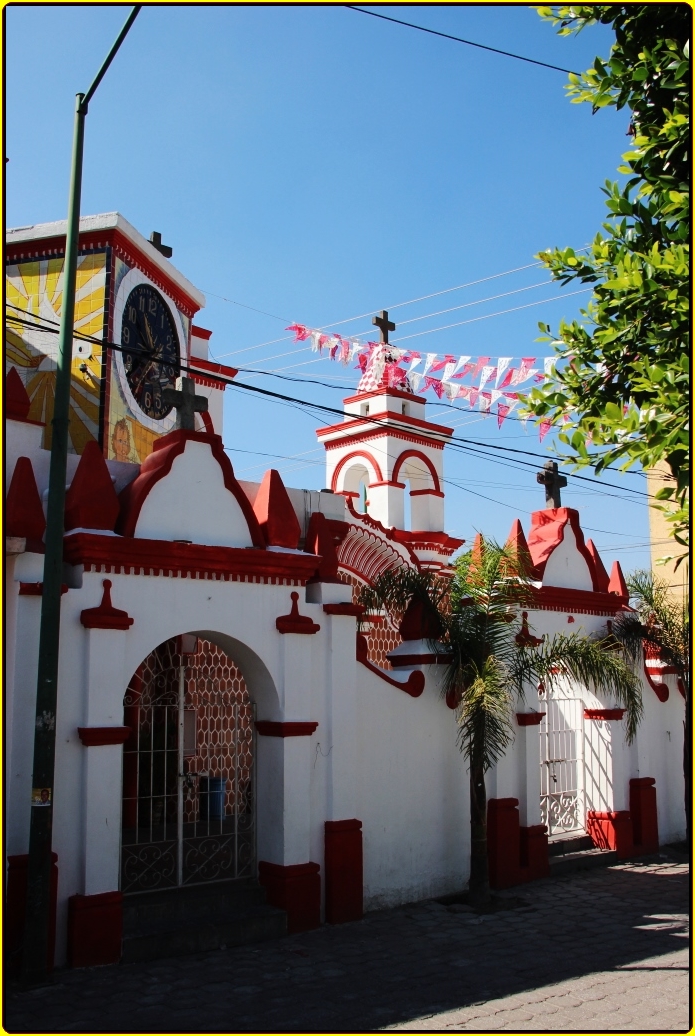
column 188, row 775
column 562, row 766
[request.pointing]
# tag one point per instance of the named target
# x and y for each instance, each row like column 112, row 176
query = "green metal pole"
column 35, row 957
column 35, row 963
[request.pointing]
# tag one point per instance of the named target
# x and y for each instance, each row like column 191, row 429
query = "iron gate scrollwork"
column 562, row 766
column 188, row 774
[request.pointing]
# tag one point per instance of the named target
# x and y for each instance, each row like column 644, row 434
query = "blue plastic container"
column 211, row 798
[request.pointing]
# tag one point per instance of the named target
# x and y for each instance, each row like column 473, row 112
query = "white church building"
column 222, row 726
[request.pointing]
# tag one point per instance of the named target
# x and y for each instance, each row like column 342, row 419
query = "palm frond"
column 484, row 714
column 588, row 662
column 395, row 588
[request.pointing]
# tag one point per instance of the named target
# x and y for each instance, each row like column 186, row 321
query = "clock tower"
column 128, row 295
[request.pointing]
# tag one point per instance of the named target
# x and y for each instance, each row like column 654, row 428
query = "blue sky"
column 316, row 163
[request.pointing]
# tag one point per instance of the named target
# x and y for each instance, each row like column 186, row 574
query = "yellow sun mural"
column 35, row 294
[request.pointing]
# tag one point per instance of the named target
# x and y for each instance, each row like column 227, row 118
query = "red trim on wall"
column 503, row 842
column 158, row 465
column 529, row 719
column 105, row 616
column 213, row 368
column 406, row 455
column 380, row 433
column 96, row 240
column 207, row 421
column 604, row 713
column 351, row 456
column 93, row 737
column 95, row 929
column 414, row 685
column 426, row 492
column 581, row 602
column 113, row 554
column 355, row 420
column 36, row 589
column 270, row 729
column 200, row 332
column 296, row 889
column 344, row 609
column 660, row 689
column 344, row 870
column 386, row 482
column 393, row 392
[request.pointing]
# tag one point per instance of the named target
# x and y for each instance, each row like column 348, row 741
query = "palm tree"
column 659, row 626
column 492, row 658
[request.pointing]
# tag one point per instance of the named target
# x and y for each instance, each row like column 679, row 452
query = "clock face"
column 151, row 354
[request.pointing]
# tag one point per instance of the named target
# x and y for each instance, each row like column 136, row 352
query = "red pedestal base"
column 503, row 842
column 296, row 889
column 534, row 852
column 95, row 929
column 15, row 911
column 515, row 854
column 343, row 855
column 645, row 825
column 612, row 830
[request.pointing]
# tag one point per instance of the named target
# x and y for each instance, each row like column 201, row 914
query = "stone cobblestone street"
column 600, row 950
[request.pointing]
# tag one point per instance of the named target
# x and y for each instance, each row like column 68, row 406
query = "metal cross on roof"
column 553, row 483
column 384, row 324
column 185, row 402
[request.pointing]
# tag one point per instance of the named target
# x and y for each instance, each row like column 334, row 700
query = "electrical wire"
column 459, row 39
column 467, row 445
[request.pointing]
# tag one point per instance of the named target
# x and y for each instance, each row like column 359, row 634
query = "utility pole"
column 38, row 908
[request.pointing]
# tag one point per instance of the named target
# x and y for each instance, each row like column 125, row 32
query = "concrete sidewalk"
column 602, row 950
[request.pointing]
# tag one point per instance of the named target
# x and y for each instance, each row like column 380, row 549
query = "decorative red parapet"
column 414, row 685
column 106, row 617
column 294, row 622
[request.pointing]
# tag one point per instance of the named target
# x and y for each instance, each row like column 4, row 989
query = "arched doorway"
column 188, row 770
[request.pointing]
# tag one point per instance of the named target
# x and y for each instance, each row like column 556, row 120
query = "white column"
column 102, row 789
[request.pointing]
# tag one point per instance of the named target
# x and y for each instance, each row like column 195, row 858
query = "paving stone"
column 619, row 963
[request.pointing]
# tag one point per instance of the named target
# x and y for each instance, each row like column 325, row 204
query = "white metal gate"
column 188, row 776
column 562, row 766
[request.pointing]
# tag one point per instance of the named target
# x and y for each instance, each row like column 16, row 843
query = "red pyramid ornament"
column 617, row 584
column 24, row 515
column 275, row 513
column 17, row 402
column 91, row 501
column 600, row 574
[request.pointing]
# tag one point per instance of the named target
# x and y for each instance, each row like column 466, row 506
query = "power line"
column 459, row 39
column 466, row 445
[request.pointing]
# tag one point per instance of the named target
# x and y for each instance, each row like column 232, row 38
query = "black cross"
column 384, row 324
column 186, row 403
column 553, row 484
column 156, row 240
